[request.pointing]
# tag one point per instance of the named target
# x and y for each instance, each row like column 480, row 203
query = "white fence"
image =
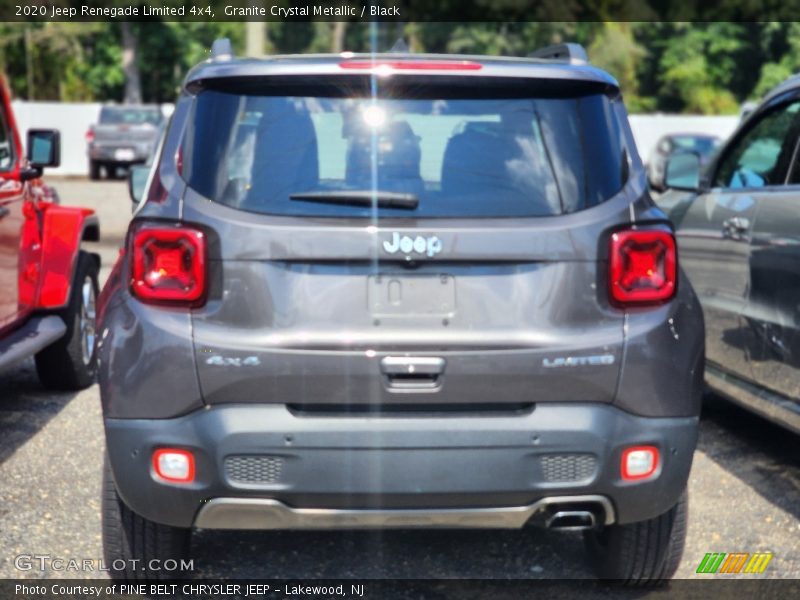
column 73, row 119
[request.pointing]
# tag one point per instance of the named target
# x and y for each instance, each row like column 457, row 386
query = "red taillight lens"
column 90, row 136
column 412, row 65
column 173, row 465
column 643, row 267
column 639, row 462
column 168, row 265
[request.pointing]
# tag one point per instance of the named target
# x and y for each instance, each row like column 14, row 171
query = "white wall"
column 647, row 129
column 73, row 119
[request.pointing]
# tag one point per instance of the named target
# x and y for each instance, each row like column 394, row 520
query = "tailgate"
column 317, row 313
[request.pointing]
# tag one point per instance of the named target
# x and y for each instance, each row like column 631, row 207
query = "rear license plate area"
column 124, row 154
column 411, row 295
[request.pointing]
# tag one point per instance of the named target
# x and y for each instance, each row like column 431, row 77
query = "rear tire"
column 134, row 541
column 644, row 553
column 70, row 363
column 94, row 170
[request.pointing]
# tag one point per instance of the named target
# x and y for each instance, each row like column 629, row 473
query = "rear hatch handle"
column 409, row 373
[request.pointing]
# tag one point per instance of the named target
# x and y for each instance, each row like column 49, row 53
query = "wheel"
column 70, row 363
column 647, row 552
column 131, row 543
column 94, row 170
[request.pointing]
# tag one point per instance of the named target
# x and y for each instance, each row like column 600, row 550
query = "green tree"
column 615, row 49
column 784, row 63
column 690, row 79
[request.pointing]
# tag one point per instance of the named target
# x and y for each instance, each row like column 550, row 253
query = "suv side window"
column 761, row 157
column 6, row 148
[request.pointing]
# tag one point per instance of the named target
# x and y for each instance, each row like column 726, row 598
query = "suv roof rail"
column 221, row 49
column 567, row 52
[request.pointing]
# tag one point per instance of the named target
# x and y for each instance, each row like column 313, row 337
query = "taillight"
column 643, row 267
column 168, row 265
column 89, row 136
column 412, row 65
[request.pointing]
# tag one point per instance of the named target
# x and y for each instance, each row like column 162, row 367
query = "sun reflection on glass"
column 374, row 116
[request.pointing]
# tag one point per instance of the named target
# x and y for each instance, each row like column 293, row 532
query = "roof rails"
column 572, row 53
column 221, row 49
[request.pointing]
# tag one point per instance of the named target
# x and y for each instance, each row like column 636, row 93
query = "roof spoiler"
column 572, row 53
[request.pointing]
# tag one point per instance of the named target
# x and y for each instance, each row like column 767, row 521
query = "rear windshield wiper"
column 360, row 198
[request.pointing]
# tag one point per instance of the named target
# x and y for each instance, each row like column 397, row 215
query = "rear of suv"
column 400, row 291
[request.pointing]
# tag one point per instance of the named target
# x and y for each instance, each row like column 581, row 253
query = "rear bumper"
column 264, row 513
column 265, row 467
column 136, row 152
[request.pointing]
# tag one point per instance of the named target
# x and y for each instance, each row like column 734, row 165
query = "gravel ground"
column 744, row 490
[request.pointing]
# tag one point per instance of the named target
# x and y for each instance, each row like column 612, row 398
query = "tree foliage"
column 667, row 66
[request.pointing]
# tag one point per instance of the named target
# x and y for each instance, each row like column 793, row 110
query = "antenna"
column 221, row 49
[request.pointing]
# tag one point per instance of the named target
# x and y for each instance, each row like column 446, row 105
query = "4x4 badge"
column 431, row 246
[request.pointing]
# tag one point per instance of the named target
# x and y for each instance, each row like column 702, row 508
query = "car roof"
column 329, row 64
column 789, row 84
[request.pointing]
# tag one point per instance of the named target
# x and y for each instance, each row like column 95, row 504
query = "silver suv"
column 400, row 291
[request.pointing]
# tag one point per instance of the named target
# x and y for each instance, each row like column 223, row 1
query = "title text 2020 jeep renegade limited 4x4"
column 400, row 291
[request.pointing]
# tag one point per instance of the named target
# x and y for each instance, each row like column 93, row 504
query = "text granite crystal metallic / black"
column 400, row 291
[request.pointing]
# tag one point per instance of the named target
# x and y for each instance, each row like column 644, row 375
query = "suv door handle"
column 413, row 373
column 735, row 226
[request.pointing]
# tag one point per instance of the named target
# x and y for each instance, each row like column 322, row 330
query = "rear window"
column 130, row 116
column 703, row 145
column 489, row 155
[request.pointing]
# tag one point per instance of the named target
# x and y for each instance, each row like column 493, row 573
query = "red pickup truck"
column 48, row 284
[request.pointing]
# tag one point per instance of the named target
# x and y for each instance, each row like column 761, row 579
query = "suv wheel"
column 94, row 170
column 135, row 542
column 647, row 552
column 71, row 362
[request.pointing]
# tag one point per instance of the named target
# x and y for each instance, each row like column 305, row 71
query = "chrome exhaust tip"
column 571, row 520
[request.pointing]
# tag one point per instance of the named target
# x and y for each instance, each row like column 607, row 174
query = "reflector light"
column 173, row 465
column 168, row 265
column 412, row 65
column 642, row 267
column 639, row 462
column 89, row 136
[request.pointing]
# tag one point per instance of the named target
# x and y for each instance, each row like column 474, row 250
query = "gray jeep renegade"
column 397, row 290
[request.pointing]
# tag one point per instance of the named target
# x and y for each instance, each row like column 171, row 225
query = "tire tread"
column 60, row 366
column 128, row 536
column 644, row 553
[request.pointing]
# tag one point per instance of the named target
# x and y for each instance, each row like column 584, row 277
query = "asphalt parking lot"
column 744, row 490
